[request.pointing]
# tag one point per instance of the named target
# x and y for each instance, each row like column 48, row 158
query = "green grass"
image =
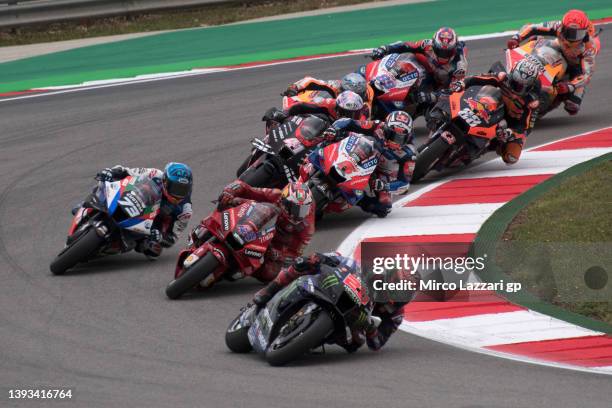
column 552, row 243
column 204, row 16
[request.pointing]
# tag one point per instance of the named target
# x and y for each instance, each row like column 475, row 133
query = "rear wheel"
column 428, row 156
column 77, row 251
column 297, row 337
column 192, row 276
column 237, row 337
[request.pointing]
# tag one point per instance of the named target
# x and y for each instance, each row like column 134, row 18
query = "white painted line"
column 501, row 328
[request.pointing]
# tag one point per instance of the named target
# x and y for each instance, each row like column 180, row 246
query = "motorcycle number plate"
column 352, row 283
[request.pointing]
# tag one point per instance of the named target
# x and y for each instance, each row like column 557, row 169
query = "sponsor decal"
column 409, row 76
column 370, row 163
column 253, row 254
column 226, row 221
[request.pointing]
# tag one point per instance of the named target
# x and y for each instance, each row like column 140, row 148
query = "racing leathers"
column 317, row 106
column 521, row 112
column 390, row 313
column 172, row 218
column 332, row 87
column 290, row 239
column 394, row 170
column 580, row 58
column 443, row 74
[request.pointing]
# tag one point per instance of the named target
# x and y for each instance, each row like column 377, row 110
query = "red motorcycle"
column 228, row 241
column 394, row 79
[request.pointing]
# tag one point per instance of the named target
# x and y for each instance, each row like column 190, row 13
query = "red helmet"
column 575, row 26
column 444, row 44
column 296, row 200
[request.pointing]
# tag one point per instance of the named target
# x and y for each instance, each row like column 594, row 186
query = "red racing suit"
column 580, row 57
column 391, row 314
column 443, row 74
column 521, row 113
column 290, row 239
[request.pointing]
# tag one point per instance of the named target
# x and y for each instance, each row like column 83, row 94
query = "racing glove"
column 274, row 114
column 378, row 53
column 457, row 86
column 105, row 175
column 426, row 98
column 330, row 134
column 291, row 90
column 168, row 240
column 513, row 42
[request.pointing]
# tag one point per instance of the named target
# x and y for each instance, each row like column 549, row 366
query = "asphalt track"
column 107, row 330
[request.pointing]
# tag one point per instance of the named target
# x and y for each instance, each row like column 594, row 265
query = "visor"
column 178, row 190
column 343, row 113
column 296, row 211
column 444, row 53
column 518, row 87
column 397, row 135
column 573, row 34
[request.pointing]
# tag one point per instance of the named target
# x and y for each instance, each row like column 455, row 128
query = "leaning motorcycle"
column 275, row 160
column 395, row 79
column 338, row 175
column 226, row 242
column 467, row 127
column 312, row 311
column 112, row 220
column 547, row 55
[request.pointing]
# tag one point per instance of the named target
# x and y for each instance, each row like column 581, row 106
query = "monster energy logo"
column 329, row 281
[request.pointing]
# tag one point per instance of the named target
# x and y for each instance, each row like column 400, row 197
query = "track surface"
column 108, row 331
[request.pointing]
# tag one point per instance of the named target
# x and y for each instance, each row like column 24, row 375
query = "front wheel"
column 77, row 251
column 237, row 336
column 428, row 157
column 298, row 336
column 192, row 276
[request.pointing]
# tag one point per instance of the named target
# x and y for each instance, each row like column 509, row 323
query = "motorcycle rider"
column 443, row 56
column 347, row 105
column 295, row 224
column 350, row 82
column 390, row 313
column 579, row 44
column 519, row 90
column 394, row 140
column 176, row 183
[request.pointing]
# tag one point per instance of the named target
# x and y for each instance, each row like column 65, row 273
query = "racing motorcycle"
column 227, row 242
column 467, row 129
column 312, row 311
column 339, row 174
column 275, row 160
column 112, row 220
column 394, row 80
column 547, row 55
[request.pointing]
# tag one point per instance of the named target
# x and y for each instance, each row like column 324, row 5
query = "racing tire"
column 76, row 252
column 309, row 337
column 237, row 337
column 192, row 276
column 428, row 156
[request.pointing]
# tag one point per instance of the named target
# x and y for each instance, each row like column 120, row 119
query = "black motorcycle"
column 275, row 160
column 312, row 311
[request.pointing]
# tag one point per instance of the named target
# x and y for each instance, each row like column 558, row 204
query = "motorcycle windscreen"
column 258, row 220
column 310, row 129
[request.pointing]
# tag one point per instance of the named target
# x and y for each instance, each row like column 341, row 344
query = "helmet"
column 349, row 105
column 523, row 77
column 354, row 82
column 444, row 44
column 398, row 129
column 295, row 201
column 177, row 181
column 574, row 26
